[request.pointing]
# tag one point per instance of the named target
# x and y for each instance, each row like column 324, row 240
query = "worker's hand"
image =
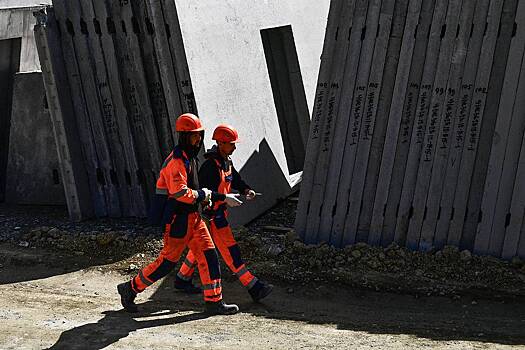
column 250, row 194
column 207, row 197
column 233, row 200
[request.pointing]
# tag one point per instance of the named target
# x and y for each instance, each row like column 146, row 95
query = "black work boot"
column 221, row 308
column 260, row 290
column 186, row 286
column 127, row 296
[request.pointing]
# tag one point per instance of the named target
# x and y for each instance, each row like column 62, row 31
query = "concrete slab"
column 396, row 56
column 486, row 134
column 33, row 172
column 230, row 77
column 74, row 174
column 445, row 139
column 16, row 4
column 420, row 122
column 466, row 92
column 9, row 61
column 387, row 153
column 18, row 22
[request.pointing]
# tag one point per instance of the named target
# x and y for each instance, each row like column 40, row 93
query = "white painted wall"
column 229, row 73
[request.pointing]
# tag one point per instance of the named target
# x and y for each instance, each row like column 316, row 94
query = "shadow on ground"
column 42, row 263
column 434, row 318
column 437, row 318
column 63, row 252
column 116, row 325
column 484, row 320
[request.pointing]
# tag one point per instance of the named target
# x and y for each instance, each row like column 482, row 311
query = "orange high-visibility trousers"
column 198, row 239
column 230, row 252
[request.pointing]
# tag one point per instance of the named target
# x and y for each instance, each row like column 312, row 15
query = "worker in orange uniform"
column 218, row 174
column 176, row 207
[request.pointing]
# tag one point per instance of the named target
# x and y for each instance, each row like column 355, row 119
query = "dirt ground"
column 59, row 295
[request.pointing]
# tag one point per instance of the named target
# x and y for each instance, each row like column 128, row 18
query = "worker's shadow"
column 119, row 324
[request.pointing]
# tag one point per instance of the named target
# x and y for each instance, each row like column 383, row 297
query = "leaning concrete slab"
column 420, row 122
column 461, row 121
column 445, row 139
column 342, row 83
column 506, row 34
column 74, row 174
column 230, row 77
column 430, row 133
column 505, row 150
column 400, row 124
column 398, row 56
column 416, row 18
column 318, row 116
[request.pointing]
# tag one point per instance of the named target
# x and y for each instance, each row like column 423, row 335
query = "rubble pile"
column 277, row 255
column 445, row 272
column 114, row 244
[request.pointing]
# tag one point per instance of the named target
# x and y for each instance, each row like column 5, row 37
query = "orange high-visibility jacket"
column 218, row 174
column 177, row 188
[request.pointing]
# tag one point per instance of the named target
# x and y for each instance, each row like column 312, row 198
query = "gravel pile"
column 277, row 255
column 446, row 272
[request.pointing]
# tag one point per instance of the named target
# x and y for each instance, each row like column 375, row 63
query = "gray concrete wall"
column 17, row 21
column 10, row 4
column 33, row 173
column 16, row 37
column 422, row 141
column 230, row 78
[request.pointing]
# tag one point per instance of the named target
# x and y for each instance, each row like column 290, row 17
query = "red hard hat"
column 225, row 133
column 188, row 122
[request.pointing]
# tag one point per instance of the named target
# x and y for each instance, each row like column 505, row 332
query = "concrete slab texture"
column 423, row 143
column 17, row 21
column 33, row 169
column 251, row 64
column 18, row 53
column 229, row 73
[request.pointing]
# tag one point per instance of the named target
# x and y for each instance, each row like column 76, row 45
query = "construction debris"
column 277, row 256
